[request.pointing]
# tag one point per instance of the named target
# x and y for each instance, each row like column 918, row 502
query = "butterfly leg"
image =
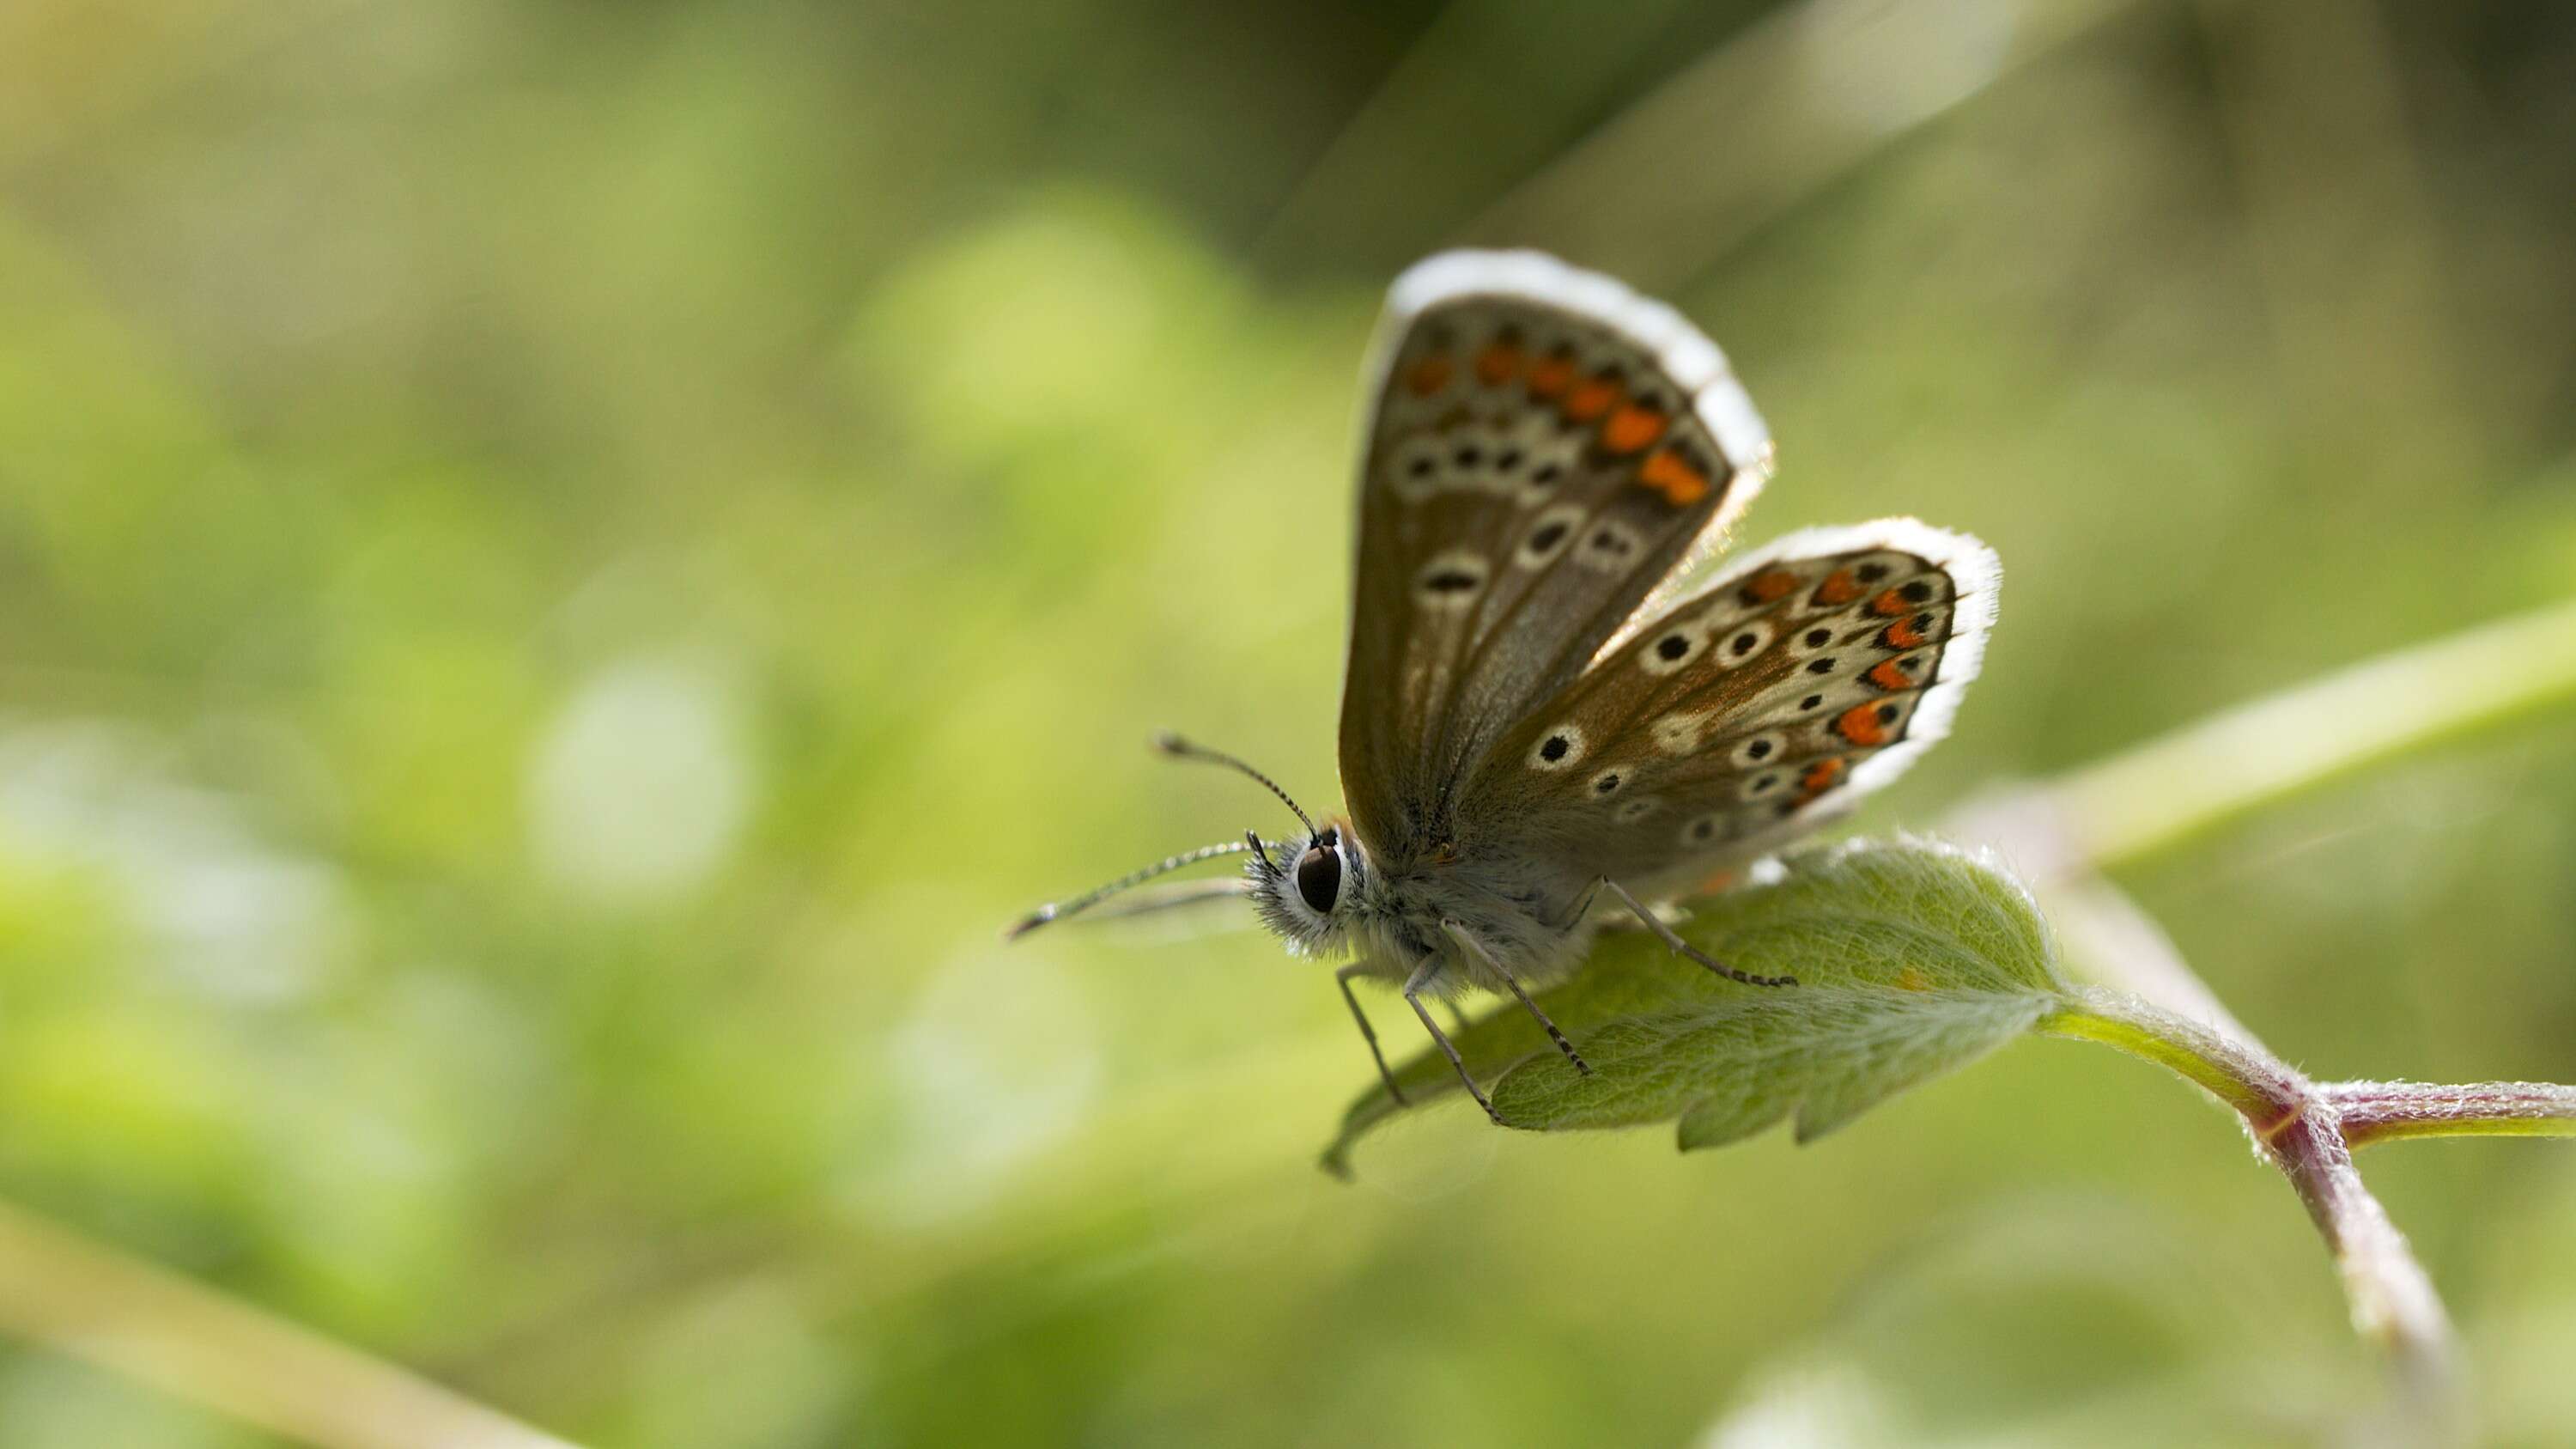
column 1342, row 978
column 1413, row 998
column 1681, row 947
column 1467, row 938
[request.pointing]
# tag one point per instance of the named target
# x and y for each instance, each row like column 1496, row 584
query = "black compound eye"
column 1319, row 878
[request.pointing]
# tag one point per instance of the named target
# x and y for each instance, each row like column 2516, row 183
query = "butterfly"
column 1540, row 708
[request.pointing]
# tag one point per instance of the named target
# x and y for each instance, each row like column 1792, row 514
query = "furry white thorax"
column 1394, row 917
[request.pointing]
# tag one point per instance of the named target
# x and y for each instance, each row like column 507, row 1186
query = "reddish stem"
column 2386, row 1111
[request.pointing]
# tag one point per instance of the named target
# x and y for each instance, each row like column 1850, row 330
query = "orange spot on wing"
column 1771, row 587
column 1590, row 399
column 1496, row 364
column 1900, row 635
column 1551, row 377
column 1890, row 604
column 1839, row 587
column 1888, row 676
column 1717, row 883
column 1859, row 724
column 1681, row 484
column 1428, row 376
column 1632, row 427
column 1821, row 776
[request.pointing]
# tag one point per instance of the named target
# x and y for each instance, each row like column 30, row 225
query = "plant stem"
column 2239, row 1074
column 2386, row 1111
column 2299, row 1129
column 2204, row 774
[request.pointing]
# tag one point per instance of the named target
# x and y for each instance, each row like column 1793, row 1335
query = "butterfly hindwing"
column 1544, row 448
column 1806, row 676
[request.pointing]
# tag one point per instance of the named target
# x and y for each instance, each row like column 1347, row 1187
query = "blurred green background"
column 565, row 566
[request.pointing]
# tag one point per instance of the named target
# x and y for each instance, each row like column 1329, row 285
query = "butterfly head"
column 1307, row 887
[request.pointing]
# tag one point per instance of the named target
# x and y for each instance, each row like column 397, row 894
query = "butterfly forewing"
column 1544, row 449
column 1804, row 677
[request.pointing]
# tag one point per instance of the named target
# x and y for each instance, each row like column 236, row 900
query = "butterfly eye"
column 1319, row 878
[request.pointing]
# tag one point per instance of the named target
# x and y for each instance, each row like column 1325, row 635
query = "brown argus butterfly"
column 1535, row 712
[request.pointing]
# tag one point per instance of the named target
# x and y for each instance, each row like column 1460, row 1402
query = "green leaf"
column 1913, row 958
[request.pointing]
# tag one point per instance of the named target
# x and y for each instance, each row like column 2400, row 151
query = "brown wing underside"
column 1531, row 475
column 1739, row 716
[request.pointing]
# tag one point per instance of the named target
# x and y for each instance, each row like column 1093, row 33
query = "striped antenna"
column 1172, row 744
column 1058, row 910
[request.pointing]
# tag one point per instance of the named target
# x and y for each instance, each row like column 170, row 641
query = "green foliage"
column 1913, row 958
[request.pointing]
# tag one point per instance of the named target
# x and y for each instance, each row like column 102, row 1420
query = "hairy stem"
column 2386, row 1111
column 2264, row 1092
column 2299, row 1128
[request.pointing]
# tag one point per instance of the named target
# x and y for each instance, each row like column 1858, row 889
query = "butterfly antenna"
column 1172, row 744
column 1058, row 910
